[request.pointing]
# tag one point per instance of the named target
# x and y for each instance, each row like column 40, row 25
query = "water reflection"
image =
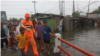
column 87, row 38
column 69, row 35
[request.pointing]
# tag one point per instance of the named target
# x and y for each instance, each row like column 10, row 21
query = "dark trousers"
column 2, row 42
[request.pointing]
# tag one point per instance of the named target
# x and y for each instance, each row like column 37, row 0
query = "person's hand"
column 54, row 35
column 15, row 41
column 27, row 39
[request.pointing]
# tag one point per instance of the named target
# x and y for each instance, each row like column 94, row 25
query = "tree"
column 76, row 14
column 96, row 11
column 14, row 20
column 99, row 8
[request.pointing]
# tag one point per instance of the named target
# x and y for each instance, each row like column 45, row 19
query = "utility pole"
column 64, row 8
column 88, row 6
column 34, row 7
column 73, row 7
column 59, row 8
column 77, row 7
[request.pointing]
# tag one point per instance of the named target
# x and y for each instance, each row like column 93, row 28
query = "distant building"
column 93, row 15
column 3, row 16
column 53, row 20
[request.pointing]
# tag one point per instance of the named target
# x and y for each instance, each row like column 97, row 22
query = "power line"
column 89, row 4
column 91, row 9
column 52, row 6
column 51, row 9
column 45, row 5
column 29, row 4
column 85, row 6
column 14, row 1
column 69, row 8
column 56, row 11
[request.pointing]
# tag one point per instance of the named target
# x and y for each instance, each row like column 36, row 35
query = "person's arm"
column 10, row 44
column 25, row 28
column 14, row 40
column 10, row 40
column 7, row 29
column 34, row 34
column 27, row 38
column 22, row 25
column 52, row 32
column 35, row 27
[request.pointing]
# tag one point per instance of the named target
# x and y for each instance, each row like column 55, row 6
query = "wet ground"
column 87, row 38
column 7, row 52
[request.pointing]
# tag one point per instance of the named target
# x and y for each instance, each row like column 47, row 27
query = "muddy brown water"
column 87, row 38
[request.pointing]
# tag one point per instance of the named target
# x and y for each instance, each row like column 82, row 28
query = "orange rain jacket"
column 29, row 35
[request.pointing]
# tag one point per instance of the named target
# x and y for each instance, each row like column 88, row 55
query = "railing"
column 74, row 46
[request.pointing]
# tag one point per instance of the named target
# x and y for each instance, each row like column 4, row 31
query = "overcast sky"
column 17, row 9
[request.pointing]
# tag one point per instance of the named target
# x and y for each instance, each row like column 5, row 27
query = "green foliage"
column 15, row 19
column 52, row 40
column 76, row 14
column 96, row 11
column 99, row 8
column 32, row 15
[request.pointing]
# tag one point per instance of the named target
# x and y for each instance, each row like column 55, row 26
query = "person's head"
column 32, row 18
column 22, row 30
column 38, row 20
column 44, row 22
column 1, row 25
column 12, row 33
column 27, row 16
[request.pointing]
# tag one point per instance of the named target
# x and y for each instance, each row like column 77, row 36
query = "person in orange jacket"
column 29, row 30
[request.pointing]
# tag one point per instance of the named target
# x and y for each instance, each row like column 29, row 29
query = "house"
column 53, row 20
column 93, row 15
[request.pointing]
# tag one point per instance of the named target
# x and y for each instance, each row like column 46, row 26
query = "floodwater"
column 87, row 38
